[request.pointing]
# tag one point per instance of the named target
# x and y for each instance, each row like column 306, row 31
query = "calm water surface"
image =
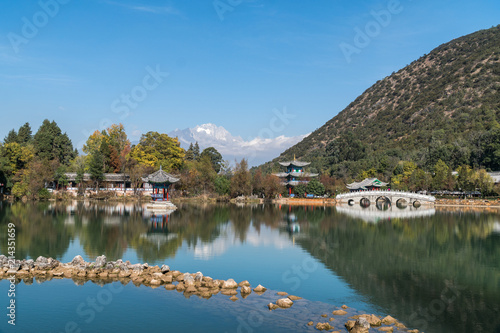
column 437, row 270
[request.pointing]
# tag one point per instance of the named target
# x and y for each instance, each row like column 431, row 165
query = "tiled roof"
column 160, row 176
column 366, row 183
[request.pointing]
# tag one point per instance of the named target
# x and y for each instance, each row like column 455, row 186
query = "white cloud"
column 256, row 150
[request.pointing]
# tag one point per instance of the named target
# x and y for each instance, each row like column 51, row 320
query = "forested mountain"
column 443, row 106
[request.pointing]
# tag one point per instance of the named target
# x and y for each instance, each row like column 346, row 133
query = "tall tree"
column 11, row 137
column 155, row 150
column 24, row 134
column 96, row 168
column 241, row 180
column 189, row 153
column 196, row 151
column 214, row 156
column 50, row 143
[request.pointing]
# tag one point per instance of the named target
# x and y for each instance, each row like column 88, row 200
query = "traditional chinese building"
column 161, row 182
column 369, row 184
column 294, row 174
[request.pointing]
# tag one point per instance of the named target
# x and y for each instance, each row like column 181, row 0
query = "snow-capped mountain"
column 256, row 150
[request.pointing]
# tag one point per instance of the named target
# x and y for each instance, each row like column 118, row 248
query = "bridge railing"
column 412, row 195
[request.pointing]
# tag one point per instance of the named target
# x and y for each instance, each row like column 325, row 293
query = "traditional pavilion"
column 295, row 174
column 369, row 184
column 160, row 181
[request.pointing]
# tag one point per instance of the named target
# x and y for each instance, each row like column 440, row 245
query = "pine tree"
column 11, row 137
column 24, row 134
column 96, row 168
column 196, row 151
column 189, row 153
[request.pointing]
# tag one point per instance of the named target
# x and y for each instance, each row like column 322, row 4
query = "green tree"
column 96, row 163
column 315, row 187
column 24, row 135
column 51, row 144
column 11, row 137
column 442, row 174
column 214, row 156
column 155, row 149
column 241, row 180
column 300, row 190
column 222, row 185
column 189, row 153
column 196, row 151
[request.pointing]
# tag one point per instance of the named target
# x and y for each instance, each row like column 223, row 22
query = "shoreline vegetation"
column 102, row 272
column 65, row 197
column 46, row 166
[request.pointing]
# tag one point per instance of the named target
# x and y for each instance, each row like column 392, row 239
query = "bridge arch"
column 401, row 203
column 364, row 202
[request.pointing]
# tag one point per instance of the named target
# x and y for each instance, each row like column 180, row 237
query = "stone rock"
column 188, row 280
column 180, row 287
column 167, row 278
column 190, row 289
column 344, row 307
column 155, row 282
column 331, row 319
column 388, row 320
column 372, row 319
column 245, row 290
column 310, row 323
column 324, row 326
column 294, row 298
column 259, row 289
column 198, row 277
column 170, row 286
column 324, row 315
column 272, row 306
column 44, row 260
column 281, row 293
column 124, row 274
column 339, row 312
column 361, row 325
column 284, row 303
column 386, row 329
column 244, row 283
column 165, row 269
column 413, row 331
column 233, row 298
column 77, row 261
column 100, row 261
column 229, row 284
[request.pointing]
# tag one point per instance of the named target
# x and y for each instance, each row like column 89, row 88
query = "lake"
column 434, row 269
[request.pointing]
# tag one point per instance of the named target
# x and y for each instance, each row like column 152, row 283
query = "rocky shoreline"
column 102, row 271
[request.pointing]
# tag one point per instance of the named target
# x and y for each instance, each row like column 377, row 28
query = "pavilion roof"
column 368, row 182
column 160, row 176
column 296, row 163
column 296, row 174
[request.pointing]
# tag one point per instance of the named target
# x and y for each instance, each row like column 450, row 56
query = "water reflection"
column 409, row 263
column 384, row 211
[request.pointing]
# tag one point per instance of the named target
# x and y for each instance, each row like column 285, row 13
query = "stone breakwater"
column 102, row 271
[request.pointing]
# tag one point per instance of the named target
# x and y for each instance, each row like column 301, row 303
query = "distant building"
column 111, row 180
column 294, row 174
column 368, row 184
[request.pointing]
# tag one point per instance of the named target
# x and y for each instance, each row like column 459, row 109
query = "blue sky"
column 233, row 63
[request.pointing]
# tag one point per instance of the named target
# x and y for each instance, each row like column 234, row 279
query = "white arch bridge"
column 365, row 198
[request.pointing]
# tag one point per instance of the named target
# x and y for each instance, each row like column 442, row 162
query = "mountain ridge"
column 447, row 97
